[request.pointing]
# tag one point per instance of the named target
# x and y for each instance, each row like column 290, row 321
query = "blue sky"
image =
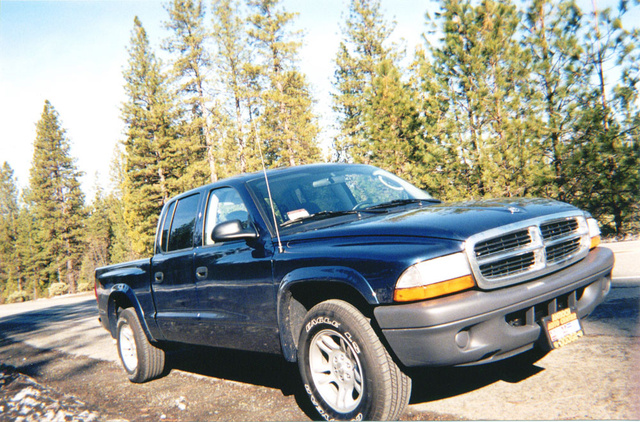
column 72, row 53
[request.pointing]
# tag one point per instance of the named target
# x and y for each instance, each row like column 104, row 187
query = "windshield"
column 323, row 191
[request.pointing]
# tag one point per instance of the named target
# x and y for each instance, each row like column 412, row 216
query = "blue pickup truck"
column 357, row 276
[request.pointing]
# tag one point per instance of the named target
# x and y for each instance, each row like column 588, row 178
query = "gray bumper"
column 482, row 326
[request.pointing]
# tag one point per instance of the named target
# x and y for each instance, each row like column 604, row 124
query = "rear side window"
column 183, row 224
column 166, row 225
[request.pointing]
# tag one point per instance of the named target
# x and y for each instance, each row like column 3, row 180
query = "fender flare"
column 122, row 290
column 339, row 275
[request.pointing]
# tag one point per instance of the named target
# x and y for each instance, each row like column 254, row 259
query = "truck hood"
column 454, row 221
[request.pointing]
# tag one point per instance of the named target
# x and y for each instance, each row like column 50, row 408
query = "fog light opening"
column 606, row 285
column 462, row 339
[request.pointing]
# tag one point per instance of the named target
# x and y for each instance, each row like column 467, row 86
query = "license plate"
column 562, row 328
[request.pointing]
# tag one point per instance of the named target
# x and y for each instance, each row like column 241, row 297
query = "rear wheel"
column 142, row 360
column 346, row 370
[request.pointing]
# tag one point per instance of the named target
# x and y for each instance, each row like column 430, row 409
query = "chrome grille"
column 560, row 251
column 503, row 243
column 557, row 229
column 522, row 251
column 512, row 265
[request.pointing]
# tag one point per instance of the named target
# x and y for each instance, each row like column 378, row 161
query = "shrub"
column 57, row 289
column 85, row 286
column 19, row 296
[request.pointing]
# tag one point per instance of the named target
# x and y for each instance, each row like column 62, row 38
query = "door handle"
column 201, row 273
column 159, row 276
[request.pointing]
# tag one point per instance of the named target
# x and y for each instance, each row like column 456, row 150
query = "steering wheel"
column 364, row 204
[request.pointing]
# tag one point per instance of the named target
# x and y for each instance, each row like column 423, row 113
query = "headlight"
column 433, row 278
column 594, row 232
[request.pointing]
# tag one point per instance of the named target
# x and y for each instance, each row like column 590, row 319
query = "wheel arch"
column 123, row 297
column 304, row 288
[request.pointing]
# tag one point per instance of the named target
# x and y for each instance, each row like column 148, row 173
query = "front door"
column 236, row 294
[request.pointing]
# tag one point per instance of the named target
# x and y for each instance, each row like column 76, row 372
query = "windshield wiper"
column 400, row 202
column 328, row 214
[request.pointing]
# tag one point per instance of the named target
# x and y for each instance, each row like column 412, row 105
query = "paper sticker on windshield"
column 296, row 214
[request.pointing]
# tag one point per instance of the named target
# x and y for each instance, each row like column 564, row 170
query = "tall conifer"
column 58, row 202
column 188, row 44
column 120, row 245
column 363, row 49
column 558, row 76
column 287, row 126
column 153, row 159
column 393, row 135
column 605, row 176
column 10, row 277
column 485, row 73
column 237, row 76
column 97, row 240
column 30, row 283
column 433, row 154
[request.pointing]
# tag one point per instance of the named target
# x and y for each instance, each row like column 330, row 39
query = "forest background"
column 511, row 99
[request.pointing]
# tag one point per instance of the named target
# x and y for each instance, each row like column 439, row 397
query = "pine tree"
column 154, row 162
column 30, row 283
column 484, row 73
column 120, row 244
column 605, row 176
column 196, row 138
column 559, row 76
column 287, row 125
column 607, row 41
column 238, row 81
column 97, row 240
column 437, row 158
column 363, row 49
column 393, row 124
column 10, row 277
column 58, row 202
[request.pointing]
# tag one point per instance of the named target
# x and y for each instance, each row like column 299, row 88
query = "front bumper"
column 481, row 326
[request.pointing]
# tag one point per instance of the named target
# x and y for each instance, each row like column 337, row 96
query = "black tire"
column 346, row 370
column 142, row 360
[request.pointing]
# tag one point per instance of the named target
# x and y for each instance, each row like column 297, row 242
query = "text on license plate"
column 563, row 327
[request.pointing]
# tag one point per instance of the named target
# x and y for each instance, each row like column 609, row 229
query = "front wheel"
column 142, row 360
column 346, row 370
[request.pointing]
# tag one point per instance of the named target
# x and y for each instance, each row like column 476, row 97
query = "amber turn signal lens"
column 594, row 232
column 434, row 290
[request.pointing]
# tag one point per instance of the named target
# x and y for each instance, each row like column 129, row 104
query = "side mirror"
column 232, row 230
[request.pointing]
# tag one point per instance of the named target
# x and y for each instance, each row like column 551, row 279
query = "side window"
column 184, row 222
column 224, row 204
column 164, row 239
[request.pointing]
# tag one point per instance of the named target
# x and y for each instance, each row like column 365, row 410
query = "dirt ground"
column 40, row 384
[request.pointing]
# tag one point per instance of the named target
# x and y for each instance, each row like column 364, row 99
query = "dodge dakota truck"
column 356, row 275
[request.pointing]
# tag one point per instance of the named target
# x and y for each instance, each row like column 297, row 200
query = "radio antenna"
column 266, row 179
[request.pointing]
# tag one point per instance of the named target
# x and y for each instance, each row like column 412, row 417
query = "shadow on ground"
column 440, row 383
column 35, row 320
